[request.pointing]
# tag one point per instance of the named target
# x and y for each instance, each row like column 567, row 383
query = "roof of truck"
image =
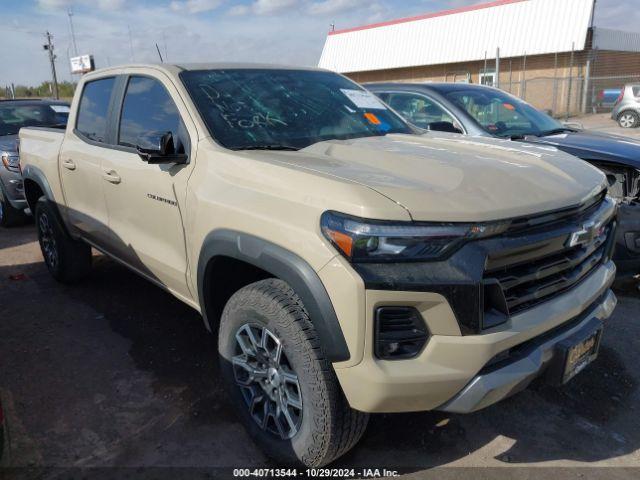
column 176, row 68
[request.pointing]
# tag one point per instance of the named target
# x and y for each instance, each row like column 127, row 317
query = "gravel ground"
column 604, row 123
column 116, row 372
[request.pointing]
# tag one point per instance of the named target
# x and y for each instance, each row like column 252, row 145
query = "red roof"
column 453, row 11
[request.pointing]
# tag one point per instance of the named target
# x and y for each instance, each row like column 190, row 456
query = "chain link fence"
column 567, row 84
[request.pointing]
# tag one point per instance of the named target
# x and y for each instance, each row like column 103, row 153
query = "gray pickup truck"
column 15, row 114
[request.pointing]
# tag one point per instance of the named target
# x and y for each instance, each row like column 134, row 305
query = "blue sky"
column 273, row 31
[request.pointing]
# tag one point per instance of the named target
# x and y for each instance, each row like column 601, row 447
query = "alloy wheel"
column 269, row 385
column 627, row 120
column 48, row 242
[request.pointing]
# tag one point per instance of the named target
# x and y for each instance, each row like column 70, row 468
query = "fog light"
column 400, row 333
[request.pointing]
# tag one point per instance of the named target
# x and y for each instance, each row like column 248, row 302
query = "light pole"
column 73, row 32
column 52, row 59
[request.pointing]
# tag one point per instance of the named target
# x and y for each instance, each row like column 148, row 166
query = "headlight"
column 379, row 241
column 11, row 161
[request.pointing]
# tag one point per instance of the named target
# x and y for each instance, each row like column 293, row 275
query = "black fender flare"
column 36, row 175
column 286, row 266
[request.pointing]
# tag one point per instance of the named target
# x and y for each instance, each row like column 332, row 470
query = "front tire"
column 283, row 387
column 67, row 260
column 629, row 120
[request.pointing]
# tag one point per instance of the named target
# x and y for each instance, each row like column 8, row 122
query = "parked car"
column 627, row 108
column 15, row 114
column 606, row 99
column 482, row 111
column 349, row 263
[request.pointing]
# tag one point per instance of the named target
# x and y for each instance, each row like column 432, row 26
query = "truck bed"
column 39, row 151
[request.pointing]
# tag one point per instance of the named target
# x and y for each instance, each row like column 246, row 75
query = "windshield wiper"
column 556, row 131
column 270, row 147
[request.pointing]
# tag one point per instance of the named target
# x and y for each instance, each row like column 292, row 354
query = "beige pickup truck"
column 348, row 263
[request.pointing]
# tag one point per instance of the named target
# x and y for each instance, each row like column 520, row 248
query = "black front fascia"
column 462, row 277
column 458, row 279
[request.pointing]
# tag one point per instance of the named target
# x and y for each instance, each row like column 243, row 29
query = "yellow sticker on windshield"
column 508, row 106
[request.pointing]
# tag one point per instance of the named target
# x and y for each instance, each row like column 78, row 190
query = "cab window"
column 94, row 108
column 419, row 110
column 148, row 108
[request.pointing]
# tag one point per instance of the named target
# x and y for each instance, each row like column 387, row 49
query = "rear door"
column 81, row 155
column 146, row 203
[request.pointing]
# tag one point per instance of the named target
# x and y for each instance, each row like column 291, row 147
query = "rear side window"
column 94, row 106
column 418, row 109
column 148, row 109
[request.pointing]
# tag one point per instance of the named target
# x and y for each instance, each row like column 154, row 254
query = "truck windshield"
column 286, row 109
column 14, row 117
column 502, row 115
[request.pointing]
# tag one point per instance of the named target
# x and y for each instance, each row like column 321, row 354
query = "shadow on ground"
column 150, row 392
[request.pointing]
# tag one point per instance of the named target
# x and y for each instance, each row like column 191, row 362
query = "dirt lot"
column 115, row 372
column 604, row 123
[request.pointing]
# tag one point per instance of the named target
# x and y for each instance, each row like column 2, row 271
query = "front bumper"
column 494, row 384
column 450, row 362
column 12, row 189
column 627, row 254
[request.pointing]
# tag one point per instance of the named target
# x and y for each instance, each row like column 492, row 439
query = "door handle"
column 69, row 164
column 111, row 176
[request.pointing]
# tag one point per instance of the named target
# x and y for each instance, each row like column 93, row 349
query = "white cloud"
column 336, row 6
column 238, row 10
column 65, row 4
column 266, row 7
column 195, row 6
column 111, row 4
column 54, row 4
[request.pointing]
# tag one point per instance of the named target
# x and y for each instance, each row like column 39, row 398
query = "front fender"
column 286, row 266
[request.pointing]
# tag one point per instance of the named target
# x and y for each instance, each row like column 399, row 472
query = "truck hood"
column 590, row 145
column 446, row 177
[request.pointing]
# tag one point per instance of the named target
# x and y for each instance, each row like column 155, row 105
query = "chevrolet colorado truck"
column 348, row 263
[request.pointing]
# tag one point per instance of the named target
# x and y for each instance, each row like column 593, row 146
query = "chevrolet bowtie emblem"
column 589, row 232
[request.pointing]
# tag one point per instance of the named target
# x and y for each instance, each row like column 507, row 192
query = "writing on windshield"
column 252, row 108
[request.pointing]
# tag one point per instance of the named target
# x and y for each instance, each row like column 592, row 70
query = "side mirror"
column 443, row 127
column 159, row 147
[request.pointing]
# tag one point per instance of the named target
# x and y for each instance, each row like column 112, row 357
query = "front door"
column 146, row 203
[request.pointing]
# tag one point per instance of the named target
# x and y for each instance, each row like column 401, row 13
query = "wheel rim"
column 627, row 121
column 268, row 383
column 48, row 242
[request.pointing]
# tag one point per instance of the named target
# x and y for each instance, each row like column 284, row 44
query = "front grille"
column 517, row 281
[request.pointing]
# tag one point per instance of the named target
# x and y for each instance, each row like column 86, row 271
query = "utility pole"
column 73, row 32
column 52, row 59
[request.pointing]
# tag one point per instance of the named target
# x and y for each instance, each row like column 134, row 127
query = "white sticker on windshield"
column 363, row 99
column 60, row 108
